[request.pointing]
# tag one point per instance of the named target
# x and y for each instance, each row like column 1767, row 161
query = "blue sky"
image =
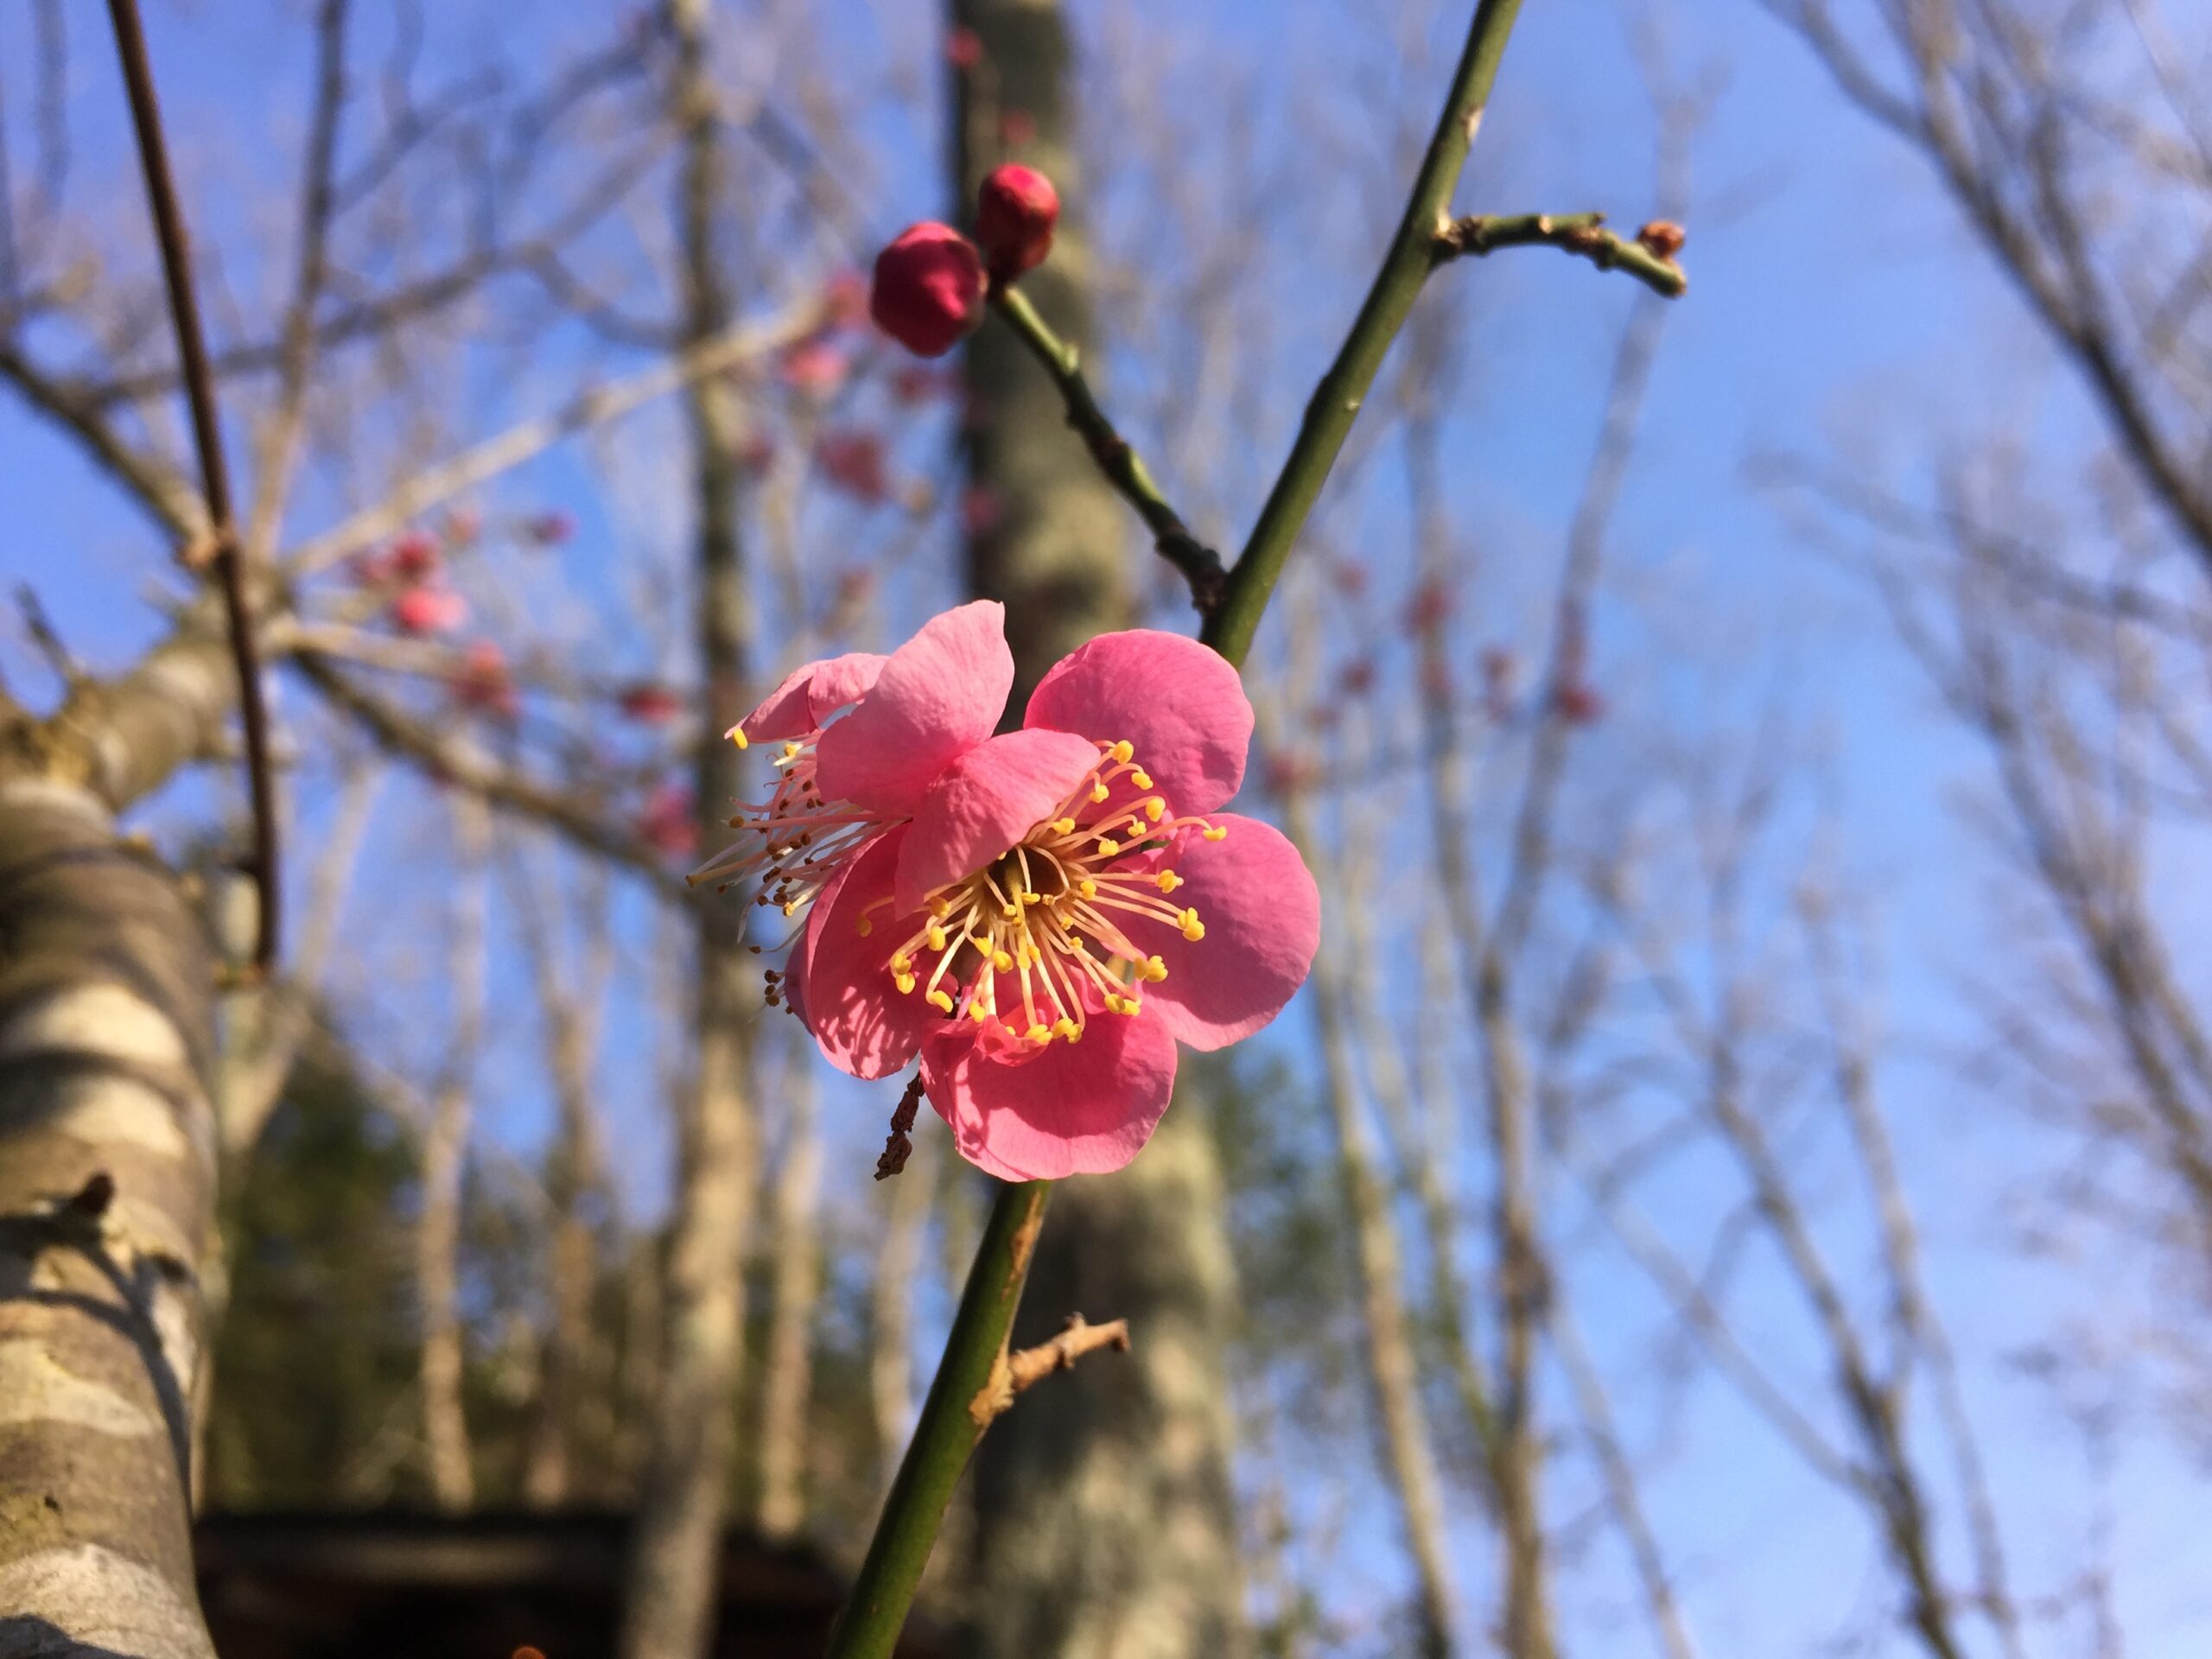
column 1837, row 310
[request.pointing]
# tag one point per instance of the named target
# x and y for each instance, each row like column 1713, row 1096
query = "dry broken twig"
column 1016, row 1373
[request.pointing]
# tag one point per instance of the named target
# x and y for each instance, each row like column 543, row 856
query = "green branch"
column 1123, row 468
column 1335, row 400
column 1649, row 256
column 961, row 1402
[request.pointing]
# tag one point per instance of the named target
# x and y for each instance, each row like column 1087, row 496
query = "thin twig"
column 1649, row 256
column 1123, row 468
column 733, row 348
column 207, row 429
column 1018, row 1372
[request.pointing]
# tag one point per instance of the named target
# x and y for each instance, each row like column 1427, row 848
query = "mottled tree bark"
column 1104, row 1521
column 107, row 1179
column 669, row 1601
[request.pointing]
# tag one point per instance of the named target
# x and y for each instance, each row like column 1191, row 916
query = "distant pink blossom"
column 668, row 821
column 650, row 704
column 854, row 461
column 484, row 682
column 423, row 611
column 844, row 299
column 980, row 510
column 816, row 367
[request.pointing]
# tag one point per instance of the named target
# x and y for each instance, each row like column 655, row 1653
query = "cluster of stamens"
column 794, row 841
column 1022, row 940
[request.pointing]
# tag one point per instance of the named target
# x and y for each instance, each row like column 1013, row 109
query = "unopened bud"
column 1015, row 213
column 1662, row 237
column 928, row 294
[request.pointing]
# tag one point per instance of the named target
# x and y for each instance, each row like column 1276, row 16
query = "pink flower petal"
column 859, row 1018
column 1262, row 920
column 811, row 694
column 985, row 802
column 1076, row 1109
column 940, row 694
column 1178, row 703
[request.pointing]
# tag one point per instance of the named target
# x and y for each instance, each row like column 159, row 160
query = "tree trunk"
column 445, row 1156
column 107, row 1185
column 1104, row 1521
column 787, row 1378
column 669, row 1603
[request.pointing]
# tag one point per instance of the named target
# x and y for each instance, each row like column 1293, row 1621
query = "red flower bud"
column 415, row 555
column 650, row 705
column 1016, row 212
column 484, row 682
column 928, row 290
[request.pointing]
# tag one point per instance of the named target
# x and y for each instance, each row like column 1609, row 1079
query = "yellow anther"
column 863, row 927
column 1141, row 778
column 790, row 751
column 1154, row 808
column 1040, row 1033
column 791, row 906
column 943, row 1000
column 978, row 1013
column 1099, row 793
column 1108, row 845
column 1023, row 956
column 1127, row 1004
column 736, row 734
column 904, row 982
column 1002, row 962
column 1010, row 912
column 935, row 937
column 1153, row 969
column 1122, row 750
column 1066, row 1027
column 1136, row 826
column 1063, row 826
column 1167, row 881
column 940, row 908
column 1032, row 898
column 1193, row 929
column 1218, row 832
column 899, row 963
column 1087, row 887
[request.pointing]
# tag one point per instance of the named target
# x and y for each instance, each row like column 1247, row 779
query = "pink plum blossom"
column 1037, row 916
column 421, row 611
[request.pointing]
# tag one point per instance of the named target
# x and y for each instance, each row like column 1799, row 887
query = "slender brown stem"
column 1649, row 256
column 207, row 435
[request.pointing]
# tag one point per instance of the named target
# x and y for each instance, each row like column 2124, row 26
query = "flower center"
column 1038, row 935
